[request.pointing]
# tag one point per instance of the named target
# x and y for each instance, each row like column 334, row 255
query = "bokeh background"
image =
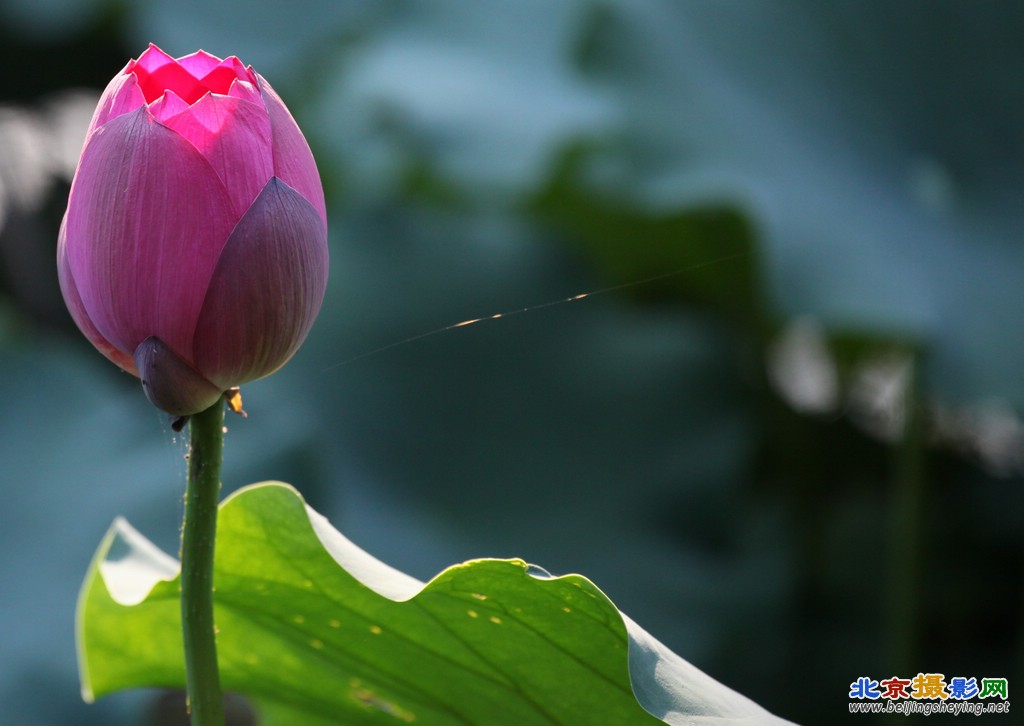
column 785, row 437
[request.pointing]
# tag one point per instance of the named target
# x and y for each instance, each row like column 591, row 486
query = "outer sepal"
column 171, row 384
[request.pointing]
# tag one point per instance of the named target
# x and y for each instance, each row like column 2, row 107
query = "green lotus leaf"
column 315, row 631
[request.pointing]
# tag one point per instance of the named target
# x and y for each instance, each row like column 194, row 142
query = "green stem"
column 198, row 535
column 907, row 530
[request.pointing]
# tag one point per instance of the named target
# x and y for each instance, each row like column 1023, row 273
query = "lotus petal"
column 219, row 79
column 245, row 91
column 121, row 96
column 293, row 161
column 158, row 72
column 73, row 300
column 200, row 63
column 146, row 222
column 167, row 106
column 235, row 137
column 170, row 383
column 266, row 290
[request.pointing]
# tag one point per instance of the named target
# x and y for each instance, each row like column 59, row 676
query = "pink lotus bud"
column 193, row 253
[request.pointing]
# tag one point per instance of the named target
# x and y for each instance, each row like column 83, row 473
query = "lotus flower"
column 193, row 253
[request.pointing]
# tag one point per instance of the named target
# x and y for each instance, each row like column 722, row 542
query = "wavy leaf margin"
column 315, row 630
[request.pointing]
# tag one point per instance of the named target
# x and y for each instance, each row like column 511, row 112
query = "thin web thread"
column 539, row 306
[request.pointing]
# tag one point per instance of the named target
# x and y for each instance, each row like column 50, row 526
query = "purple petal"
column 147, row 220
column 293, row 161
column 235, row 137
column 74, row 304
column 266, row 291
column 170, row 383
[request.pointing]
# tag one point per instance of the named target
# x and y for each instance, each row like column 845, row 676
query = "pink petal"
column 245, row 91
column 293, row 161
column 235, row 137
column 158, row 72
column 121, row 95
column 147, row 219
column 219, row 79
column 153, row 59
column 170, row 383
column 200, row 63
column 78, row 313
column 266, row 290
column 168, row 105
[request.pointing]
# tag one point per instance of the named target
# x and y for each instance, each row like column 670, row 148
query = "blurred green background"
column 788, row 442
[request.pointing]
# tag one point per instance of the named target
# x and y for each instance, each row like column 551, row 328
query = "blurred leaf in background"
column 837, row 188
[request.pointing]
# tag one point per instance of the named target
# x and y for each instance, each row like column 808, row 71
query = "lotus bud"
column 193, row 253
